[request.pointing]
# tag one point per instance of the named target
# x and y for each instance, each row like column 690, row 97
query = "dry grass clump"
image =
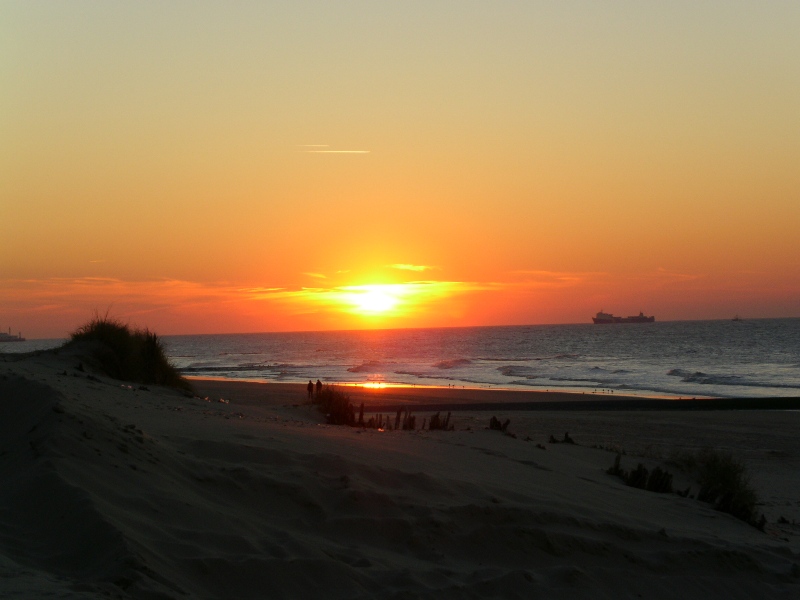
column 338, row 410
column 496, row 425
column 657, row 480
column 724, row 482
column 135, row 355
column 440, row 423
column 336, row 406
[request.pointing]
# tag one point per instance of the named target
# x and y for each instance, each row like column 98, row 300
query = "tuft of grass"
column 338, row 410
column 440, row 423
column 496, row 425
column 336, row 406
column 724, row 482
column 135, row 355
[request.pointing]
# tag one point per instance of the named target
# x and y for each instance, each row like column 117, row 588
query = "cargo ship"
column 7, row 337
column 607, row 318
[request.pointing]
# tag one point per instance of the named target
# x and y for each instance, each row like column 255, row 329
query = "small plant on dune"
column 439, row 423
column 496, row 425
column 566, row 440
column 405, row 420
column 121, row 352
column 336, row 406
column 724, row 483
column 638, row 477
column 338, row 410
column 657, row 480
column 615, row 469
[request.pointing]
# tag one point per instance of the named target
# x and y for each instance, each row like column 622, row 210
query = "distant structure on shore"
column 7, row 337
column 607, row 319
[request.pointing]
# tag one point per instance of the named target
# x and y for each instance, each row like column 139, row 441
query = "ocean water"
column 750, row 358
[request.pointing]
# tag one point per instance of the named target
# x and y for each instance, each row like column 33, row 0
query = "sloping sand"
column 111, row 491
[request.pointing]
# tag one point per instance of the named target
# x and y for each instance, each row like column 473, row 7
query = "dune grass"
column 724, row 482
column 657, row 480
column 121, row 352
column 338, row 410
column 336, row 406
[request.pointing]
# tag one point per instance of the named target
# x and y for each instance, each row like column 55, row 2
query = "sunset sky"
column 203, row 167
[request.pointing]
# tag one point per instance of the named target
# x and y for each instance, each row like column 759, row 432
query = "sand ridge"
column 111, row 490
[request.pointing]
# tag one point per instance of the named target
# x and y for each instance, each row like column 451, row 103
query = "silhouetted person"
column 319, row 387
column 310, row 388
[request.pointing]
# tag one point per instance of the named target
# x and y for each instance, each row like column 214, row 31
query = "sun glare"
column 373, row 299
column 377, row 300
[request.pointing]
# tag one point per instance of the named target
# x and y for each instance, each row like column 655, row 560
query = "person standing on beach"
column 310, row 388
column 319, row 387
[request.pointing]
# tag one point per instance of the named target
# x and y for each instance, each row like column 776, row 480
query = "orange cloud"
column 52, row 307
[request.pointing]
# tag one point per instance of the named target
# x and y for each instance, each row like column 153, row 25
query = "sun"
column 378, row 303
column 374, row 300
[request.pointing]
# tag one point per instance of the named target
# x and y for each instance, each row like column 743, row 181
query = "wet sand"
column 458, row 398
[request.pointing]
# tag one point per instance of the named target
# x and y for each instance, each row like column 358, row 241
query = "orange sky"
column 202, row 167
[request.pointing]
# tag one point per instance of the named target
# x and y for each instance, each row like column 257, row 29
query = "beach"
column 116, row 490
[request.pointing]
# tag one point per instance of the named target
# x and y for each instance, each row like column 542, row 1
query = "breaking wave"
column 731, row 380
column 562, row 356
column 226, row 368
column 452, row 364
column 518, row 371
column 457, row 380
column 368, row 366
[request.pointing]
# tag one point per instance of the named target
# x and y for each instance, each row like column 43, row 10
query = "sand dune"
column 116, row 491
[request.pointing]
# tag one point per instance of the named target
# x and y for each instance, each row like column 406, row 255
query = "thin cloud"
column 407, row 267
column 316, row 275
column 409, row 296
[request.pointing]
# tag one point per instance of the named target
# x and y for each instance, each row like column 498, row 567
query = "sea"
column 752, row 358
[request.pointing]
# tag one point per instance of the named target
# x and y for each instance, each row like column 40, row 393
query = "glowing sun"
column 374, row 300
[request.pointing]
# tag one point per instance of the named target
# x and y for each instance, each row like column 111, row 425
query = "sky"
column 208, row 167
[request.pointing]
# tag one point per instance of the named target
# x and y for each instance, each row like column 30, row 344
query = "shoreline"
column 384, row 385
column 432, row 398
